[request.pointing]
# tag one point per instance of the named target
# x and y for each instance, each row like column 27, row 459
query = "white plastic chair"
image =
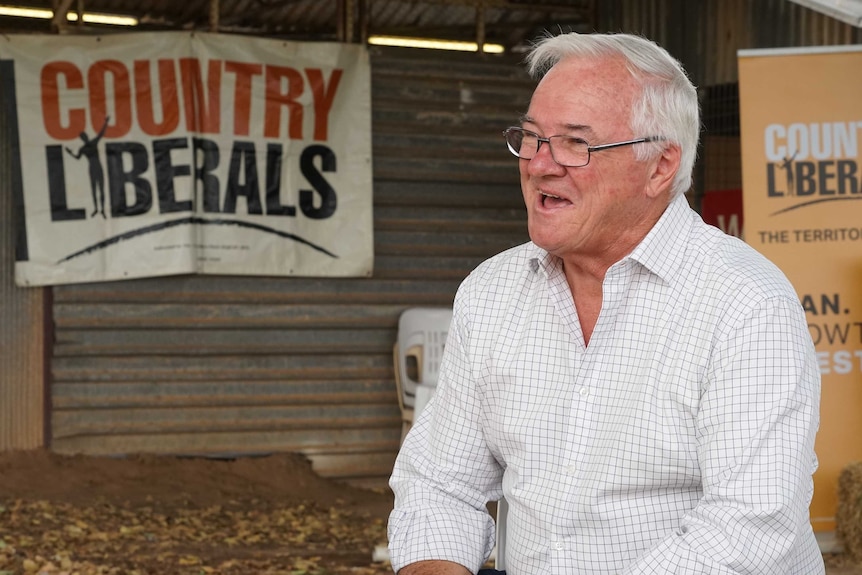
column 500, row 557
column 417, row 353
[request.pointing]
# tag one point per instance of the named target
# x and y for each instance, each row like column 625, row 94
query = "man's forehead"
column 578, row 92
column 582, row 69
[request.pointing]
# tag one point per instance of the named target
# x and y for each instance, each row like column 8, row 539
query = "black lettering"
column 166, row 172
column 243, row 161
column 328, row 199
column 838, row 333
column 60, row 211
column 770, row 182
column 274, row 206
column 118, row 177
column 806, row 184
column 824, row 174
column 829, row 303
column 848, row 182
column 208, row 151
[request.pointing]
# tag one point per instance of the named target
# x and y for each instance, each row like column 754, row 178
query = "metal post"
column 480, row 26
column 346, row 20
column 364, row 20
column 214, row 15
column 339, row 20
column 61, row 8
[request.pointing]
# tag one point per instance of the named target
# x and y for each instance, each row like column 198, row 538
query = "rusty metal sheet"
column 211, row 341
column 201, row 368
column 222, row 419
column 228, row 315
column 174, row 394
column 263, row 290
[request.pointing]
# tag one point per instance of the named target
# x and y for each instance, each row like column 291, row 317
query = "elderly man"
column 639, row 386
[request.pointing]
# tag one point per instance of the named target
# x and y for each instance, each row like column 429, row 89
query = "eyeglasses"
column 568, row 151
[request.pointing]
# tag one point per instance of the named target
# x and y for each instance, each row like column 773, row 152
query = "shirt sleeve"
column 759, row 413
column 445, row 474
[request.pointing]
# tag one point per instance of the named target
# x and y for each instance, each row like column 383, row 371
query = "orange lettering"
column 168, row 96
column 242, row 94
column 201, row 115
column 97, row 79
column 276, row 98
column 51, row 73
column 323, row 98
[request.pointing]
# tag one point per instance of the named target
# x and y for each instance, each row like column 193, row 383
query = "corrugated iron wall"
column 22, row 313
column 706, row 34
column 221, row 365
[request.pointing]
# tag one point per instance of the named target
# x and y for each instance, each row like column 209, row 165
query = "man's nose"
column 543, row 161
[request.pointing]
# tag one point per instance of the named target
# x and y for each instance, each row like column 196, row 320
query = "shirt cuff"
column 466, row 538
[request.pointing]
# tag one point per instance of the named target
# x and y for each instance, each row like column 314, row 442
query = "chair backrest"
column 422, row 335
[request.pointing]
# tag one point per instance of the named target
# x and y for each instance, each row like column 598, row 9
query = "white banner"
column 168, row 153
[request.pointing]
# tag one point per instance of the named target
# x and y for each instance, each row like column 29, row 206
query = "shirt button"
column 571, row 468
column 558, row 545
column 583, row 391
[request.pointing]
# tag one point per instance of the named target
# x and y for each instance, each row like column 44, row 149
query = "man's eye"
column 572, row 143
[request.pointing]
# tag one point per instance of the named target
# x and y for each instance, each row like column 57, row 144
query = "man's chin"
column 550, row 245
column 546, row 236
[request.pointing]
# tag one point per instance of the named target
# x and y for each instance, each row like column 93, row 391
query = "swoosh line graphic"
column 190, row 221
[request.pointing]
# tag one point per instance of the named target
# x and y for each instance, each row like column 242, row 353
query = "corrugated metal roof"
column 509, row 22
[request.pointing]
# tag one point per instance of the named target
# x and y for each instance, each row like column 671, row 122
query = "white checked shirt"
column 681, row 440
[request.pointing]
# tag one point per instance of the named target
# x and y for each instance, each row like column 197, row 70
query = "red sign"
column 723, row 209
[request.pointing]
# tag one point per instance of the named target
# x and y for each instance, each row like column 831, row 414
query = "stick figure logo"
column 90, row 150
column 788, row 167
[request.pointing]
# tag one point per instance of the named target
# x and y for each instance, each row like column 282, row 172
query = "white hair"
column 668, row 105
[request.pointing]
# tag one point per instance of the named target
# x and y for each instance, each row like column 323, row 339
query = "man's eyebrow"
column 583, row 128
column 579, row 128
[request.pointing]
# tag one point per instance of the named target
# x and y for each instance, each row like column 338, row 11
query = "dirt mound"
column 282, row 479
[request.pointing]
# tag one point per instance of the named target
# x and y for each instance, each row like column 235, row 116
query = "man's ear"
column 664, row 169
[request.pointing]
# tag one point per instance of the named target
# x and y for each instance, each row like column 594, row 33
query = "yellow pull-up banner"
column 801, row 132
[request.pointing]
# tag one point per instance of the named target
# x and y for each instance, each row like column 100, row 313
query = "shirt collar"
column 661, row 251
column 663, row 248
column 541, row 261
